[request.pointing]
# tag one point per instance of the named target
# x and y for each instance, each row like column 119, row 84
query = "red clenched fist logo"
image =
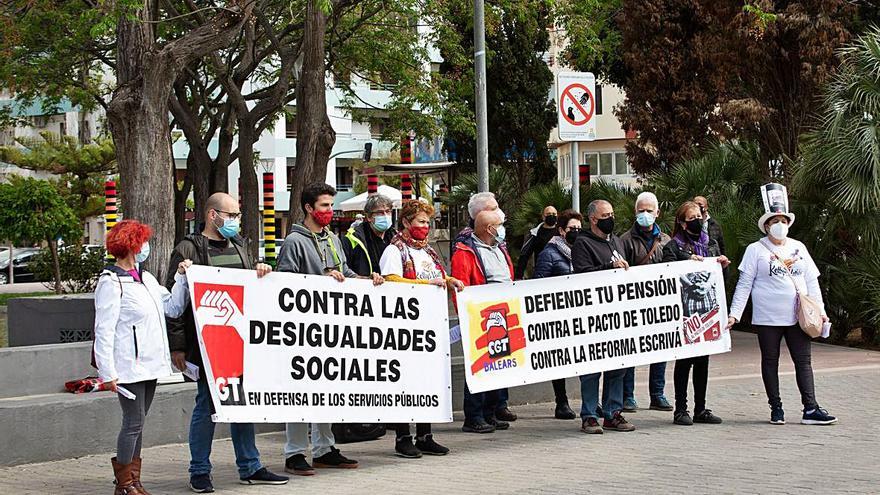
column 216, row 306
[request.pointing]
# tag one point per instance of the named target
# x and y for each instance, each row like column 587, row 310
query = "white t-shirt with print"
column 774, row 298
column 392, row 264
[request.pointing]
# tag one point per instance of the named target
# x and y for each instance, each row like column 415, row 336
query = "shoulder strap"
column 650, row 253
column 787, row 269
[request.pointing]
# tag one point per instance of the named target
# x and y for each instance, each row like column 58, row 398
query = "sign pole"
column 575, row 178
column 480, row 89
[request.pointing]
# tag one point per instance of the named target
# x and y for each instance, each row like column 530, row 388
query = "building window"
column 598, row 99
column 377, row 127
column 290, row 124
column 342, row 80
column 608, row 165
column 383, row 82
column 291, row 165
column 7, row 136
column 344, row 178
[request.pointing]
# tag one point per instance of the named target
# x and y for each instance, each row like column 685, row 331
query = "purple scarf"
column 700, row 246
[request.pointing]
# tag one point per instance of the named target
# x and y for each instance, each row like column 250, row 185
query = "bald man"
column 710, row 225
column 536, row 240
column 480, row 259
column 219, row 244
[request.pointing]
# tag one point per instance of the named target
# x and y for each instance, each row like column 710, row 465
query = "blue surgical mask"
column 645, row 219
column 500, row 233
column 229, row 229
column 382, row 223
column 143, row 254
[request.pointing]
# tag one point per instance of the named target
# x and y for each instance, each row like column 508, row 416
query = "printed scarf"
column 403, row 241
column 700, row 246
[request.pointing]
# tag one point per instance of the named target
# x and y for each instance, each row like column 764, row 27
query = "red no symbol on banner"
column 576, row 114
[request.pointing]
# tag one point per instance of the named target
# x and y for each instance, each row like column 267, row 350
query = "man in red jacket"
column 481, row 259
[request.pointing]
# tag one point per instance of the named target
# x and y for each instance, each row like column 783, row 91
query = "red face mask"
column 419, row 233
column 322, row 218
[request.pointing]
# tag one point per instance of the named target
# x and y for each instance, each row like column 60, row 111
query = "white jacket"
column 131, row 344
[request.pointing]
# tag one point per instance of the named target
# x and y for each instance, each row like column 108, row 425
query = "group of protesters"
column 138, row 321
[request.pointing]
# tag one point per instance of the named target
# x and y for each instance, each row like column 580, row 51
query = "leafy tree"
column 82, row 167
column 146, row 53
column 79, row 267
column 518, row 82
column 35, row 212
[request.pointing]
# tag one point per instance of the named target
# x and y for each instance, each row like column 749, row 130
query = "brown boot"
column 136, row 475
column 124, row 479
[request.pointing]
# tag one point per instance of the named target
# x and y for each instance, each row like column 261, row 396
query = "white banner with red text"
column 543, row 329
column 302, row 348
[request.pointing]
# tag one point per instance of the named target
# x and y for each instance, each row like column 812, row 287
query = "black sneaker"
column 818, row 416
column 429, row 447
column 201, row 483
column 682, row 418
column 298, row 465
column 264, row 477
column 498, row 424
column 403, row 447
column 335, row 459
column 706, row 416
column 777, row 416
column 480, row 426
column 563, row 411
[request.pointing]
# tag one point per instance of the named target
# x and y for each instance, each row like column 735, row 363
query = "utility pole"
column 480, row 89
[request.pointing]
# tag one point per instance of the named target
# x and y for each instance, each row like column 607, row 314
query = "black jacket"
column 636, row 247
column 716, row 234
column 363, row 249
column 672, row 252
column 591, row 253
column 182, row 331
column 536, row 241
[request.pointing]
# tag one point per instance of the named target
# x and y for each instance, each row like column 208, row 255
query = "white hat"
column 775, row 198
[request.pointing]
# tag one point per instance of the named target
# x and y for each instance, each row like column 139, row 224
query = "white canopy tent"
column 357, row 203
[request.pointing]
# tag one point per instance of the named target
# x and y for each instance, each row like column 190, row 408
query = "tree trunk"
column 56, row 264
column 315, row 135
column 138, row 114
column 249, row 186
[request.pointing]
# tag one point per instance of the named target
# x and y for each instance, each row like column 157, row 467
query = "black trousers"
column 402, row 429
column 559, row 391
column 681, row 375
column 770, row 340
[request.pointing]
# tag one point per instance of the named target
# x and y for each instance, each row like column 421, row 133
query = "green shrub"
column 80, row 267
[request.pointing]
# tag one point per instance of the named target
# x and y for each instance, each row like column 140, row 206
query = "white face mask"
column 779, row 231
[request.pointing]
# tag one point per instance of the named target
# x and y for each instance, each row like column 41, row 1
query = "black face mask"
column 694, row 227
column 572, row 235
column 606, row 225
column 550, row 220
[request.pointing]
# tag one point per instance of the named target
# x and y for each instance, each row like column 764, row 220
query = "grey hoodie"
column 298, row 253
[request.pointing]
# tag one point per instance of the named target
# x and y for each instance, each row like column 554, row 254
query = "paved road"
column 543, row 455
column 21, row 288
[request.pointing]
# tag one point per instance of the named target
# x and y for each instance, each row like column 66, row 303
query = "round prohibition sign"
column 567, row 94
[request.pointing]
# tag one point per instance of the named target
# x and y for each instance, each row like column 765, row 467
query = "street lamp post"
column 480, row 89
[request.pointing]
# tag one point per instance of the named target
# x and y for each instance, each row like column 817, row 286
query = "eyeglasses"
column 230, row 214
column 386, row 211
column 572, row 229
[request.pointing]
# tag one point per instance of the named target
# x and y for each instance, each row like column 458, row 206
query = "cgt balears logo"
column 216, row 306
column 502, row 340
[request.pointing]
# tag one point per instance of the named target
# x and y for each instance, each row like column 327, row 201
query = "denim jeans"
column 612, row 393
column 656, row 382
column 201, row 436
column 480, row 406
column 298, row 439
column 503, row 395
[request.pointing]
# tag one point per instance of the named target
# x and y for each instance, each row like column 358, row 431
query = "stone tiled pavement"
column 542, row 455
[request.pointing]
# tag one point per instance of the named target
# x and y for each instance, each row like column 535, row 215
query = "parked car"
column 21, row 259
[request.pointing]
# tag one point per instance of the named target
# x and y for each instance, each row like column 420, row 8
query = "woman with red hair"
column 131, row 345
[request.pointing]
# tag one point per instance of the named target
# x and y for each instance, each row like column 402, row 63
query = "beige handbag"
column 809, row 312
